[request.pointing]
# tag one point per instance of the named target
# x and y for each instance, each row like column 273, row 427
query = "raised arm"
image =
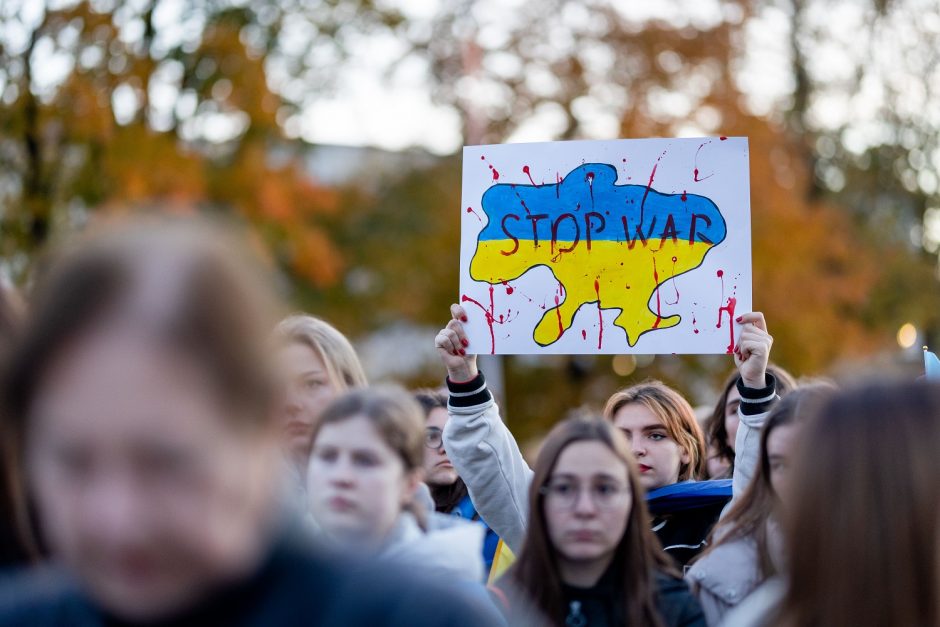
column 477, row 441
column 758, row 390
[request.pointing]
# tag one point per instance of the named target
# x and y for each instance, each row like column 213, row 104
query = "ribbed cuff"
column 469, row 393
column 757, row 401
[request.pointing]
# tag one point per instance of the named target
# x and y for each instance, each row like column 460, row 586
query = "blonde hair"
column 334, row 350
column 676, row 415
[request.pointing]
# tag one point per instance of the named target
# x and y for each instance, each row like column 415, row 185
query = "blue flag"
column 931, row 365
column 690, row 494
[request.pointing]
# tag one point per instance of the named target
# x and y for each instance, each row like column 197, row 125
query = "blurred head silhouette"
column 862, row 523
column 141, row 388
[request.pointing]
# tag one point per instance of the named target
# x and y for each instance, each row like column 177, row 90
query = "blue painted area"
column 589, row 199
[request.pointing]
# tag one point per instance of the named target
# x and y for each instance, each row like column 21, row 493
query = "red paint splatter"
column 694, row 323
column 521, row 200
column 509, row 289
column 674, row 284
column 695, row 176
column 561, row 328
column 490, row 166
column 590, row 181
column 470, row 210
column 722, row 138
column 649, row 185
column 730, row 309
column 490, row 318
column 557, row 185
column 683, row 198
column 525, row 169
column 600, row 315
column 659, row 317
column 732, row 301
column 583, row 334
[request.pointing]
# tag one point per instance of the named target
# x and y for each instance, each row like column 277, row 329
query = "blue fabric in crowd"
column 687, row 495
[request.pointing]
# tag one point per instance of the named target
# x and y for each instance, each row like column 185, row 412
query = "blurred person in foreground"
column 142, row 388
column 18, row 544
column 863, row 525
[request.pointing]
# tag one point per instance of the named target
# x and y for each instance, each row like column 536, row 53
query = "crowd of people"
column 177, row 451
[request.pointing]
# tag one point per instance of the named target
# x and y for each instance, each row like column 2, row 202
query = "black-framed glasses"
column 564, row 493
column 433, row 438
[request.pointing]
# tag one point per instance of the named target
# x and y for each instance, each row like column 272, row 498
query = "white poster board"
column 624, row 246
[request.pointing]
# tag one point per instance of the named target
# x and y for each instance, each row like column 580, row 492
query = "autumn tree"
column 109, row 106
column 832, row 281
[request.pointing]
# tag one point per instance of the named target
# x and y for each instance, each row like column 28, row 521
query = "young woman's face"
column 587, row 502
column 146, row 490
column 731, row 414
column 356, row 482
column 307, row 390
column 438, row 471
column 658, row 456
column 780, row 451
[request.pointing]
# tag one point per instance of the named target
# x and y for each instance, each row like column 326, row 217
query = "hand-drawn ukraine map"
column 626, row 246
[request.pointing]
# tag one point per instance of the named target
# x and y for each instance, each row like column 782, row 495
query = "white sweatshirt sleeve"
column 752, row 414
column 487, row 458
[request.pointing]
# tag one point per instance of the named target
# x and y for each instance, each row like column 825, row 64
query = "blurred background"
column 332, row 129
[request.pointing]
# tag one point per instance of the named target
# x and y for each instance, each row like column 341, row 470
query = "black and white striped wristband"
column 468, row 393
column 757, row 401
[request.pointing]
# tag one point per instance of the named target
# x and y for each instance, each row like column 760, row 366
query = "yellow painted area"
column 625, row 278
column 502, row 560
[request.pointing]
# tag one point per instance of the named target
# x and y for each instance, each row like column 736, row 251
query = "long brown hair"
column 862, row 532
column 638, row 556
column 749, row 514
column 676, row 415
column 716, row 434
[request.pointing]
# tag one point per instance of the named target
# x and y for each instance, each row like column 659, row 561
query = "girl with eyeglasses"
column 589, row 557
column 659, row 423
column 447, row 488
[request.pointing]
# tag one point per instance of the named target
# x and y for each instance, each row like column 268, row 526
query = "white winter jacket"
column 487, row 458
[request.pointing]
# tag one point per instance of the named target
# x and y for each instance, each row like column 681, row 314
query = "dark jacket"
column 294, row 586
column 684, row 533
column 602, row 605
